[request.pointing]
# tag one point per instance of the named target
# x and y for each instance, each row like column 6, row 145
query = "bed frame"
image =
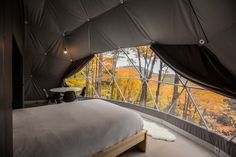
column 138, row 140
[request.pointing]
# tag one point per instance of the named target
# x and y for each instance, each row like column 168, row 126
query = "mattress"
column 77, row 129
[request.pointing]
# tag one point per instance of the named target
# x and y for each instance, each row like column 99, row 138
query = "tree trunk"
column 186, row 106
column 118, row 95
column 114, row 64
column 125, row 89
column 143, row 97
column 147, row 74
column 175, row 93
column 92, row 83
column 203, row 115
column 99, row 75
column 87, row 79
column 96, row 76
column 159, row 83
column 139, row 64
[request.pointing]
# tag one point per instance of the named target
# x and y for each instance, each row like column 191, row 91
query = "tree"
column 125, row 88
column 186, row 104
column 146, row 54
column 113, row 72
column 159, row 83
column 87, row 78
column 93, row 75
column 99, row 74
column 175, row 93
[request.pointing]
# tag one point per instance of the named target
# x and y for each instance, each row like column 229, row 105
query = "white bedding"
column 158, row 132
column 77, row 129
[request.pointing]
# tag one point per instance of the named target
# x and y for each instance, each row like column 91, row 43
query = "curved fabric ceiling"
column 86, row 27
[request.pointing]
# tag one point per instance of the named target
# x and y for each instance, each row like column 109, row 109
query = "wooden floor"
column 182, row 147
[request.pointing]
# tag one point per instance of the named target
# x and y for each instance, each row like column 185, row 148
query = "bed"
column 78, row 129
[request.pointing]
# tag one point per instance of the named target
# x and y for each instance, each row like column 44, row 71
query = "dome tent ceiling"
column 86, row 27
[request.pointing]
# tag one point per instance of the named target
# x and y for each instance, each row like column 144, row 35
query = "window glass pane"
column 136, row 75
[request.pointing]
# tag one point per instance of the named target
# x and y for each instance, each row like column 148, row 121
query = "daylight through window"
column 136, row 75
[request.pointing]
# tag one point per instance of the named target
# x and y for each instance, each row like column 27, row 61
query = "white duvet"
column 77, row 129
column 158, row 132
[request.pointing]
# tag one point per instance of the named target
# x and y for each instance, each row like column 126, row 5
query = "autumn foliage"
column 125, row 84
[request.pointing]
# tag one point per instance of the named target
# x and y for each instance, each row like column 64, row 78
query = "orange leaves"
column 211, row 105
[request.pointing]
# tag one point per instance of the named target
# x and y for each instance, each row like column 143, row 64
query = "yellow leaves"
column 127, row 72
column 128, row 80
column 144, row 51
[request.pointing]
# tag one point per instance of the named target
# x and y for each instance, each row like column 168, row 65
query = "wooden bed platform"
column 138, row 140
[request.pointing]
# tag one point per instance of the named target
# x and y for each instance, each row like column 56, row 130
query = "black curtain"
column 77, row 66
column 199, row 65
column 17, row 76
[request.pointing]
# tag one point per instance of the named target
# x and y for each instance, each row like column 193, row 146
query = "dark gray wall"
column 11, row 15
column 5, row 80
column 86, row 27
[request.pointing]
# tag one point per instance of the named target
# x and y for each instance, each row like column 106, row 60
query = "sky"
column 124, row 61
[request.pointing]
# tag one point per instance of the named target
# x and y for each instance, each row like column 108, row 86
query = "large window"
column 136, row 75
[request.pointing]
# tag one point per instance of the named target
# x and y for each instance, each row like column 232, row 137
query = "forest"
column 136, row 75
